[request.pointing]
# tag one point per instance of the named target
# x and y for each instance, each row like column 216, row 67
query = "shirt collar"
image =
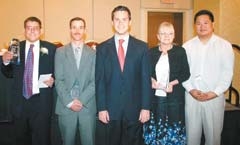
column 117, row 37
column 36, row 46
column 36, row 43
column 77, row 46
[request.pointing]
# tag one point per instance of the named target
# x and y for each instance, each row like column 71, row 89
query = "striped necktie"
column 28, row 74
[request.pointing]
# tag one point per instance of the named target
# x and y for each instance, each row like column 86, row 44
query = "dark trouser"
column 32, row 127
column 120, row 132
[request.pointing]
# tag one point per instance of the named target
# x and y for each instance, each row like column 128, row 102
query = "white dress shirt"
column 162, row 74
column 124, row 44
column 36, row 52
column 211, row 64
column 77, row 50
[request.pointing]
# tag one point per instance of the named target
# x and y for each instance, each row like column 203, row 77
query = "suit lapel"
column 113, row 53
column 40, row 58
column 83, row 58
column 81, row 72
column 22, row 57
column 71, row 59
column 129, row 54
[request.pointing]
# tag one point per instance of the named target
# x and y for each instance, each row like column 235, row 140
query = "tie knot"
column 121, row 41
column 77, row 49
column 31, row 46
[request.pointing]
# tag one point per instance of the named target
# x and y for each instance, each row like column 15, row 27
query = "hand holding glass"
column 14, row 47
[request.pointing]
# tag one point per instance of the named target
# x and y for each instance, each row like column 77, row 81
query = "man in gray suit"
column 74, row 80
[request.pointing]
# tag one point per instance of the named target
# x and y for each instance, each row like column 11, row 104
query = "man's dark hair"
column 204, row 12
column 77, row 19
column 121, row 8
column 33, row 19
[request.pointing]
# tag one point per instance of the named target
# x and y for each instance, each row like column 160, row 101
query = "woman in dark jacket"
column 169, row 68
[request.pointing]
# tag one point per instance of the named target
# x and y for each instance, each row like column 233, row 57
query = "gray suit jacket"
column 66, row 73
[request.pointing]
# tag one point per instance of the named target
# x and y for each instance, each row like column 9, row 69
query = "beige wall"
column 102, row 17
column 12, row 15
column 229, row 20
column 177, row 4
column 230, row 29
column 56, row 14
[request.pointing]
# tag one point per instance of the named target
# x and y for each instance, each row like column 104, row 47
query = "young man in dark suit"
column 31, row 104
column 123, row 83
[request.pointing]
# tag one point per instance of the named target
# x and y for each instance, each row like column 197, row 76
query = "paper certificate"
column 43, row 78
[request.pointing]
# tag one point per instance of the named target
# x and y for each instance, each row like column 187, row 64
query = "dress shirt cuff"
column 69, row 104
column 217, row 92
column 187, row 85
column 6, row 63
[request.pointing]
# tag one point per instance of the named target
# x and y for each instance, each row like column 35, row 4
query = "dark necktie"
column 28, row 74
column 121, row 56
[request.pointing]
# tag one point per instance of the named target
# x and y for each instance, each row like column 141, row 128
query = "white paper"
column 160, row 93
column 43, row 78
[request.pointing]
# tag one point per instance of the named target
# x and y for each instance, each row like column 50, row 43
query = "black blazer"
column 179, row 69
column 46, row 66
column 123, row 94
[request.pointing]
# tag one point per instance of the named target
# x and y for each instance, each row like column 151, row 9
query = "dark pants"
column 32, row 127
column 119, row 133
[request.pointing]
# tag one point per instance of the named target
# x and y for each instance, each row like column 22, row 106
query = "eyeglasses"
column 166, row 34
column 32, row 28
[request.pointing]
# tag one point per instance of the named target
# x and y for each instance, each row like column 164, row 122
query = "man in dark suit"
column 31, row 104
column 123, row 83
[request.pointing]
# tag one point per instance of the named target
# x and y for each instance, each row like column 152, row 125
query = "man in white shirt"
column 211, row 62
column 31, row 105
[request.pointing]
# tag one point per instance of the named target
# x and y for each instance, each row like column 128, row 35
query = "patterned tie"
column 77, row 56
column 28, row 74
column 121, row 56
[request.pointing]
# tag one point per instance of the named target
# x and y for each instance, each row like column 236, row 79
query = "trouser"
column 32, row 127
column 207, row 116
column 122, row 132
column 83, row 121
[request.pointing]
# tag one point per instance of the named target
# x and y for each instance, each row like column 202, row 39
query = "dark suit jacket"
column 123, row 94
column 46, row 66
column 179, row 70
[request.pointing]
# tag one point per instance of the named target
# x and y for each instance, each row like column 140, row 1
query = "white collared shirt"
column 211, row 64
column 36, row 52
column 124, row 44
column 162, row 74
column 77, row 50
